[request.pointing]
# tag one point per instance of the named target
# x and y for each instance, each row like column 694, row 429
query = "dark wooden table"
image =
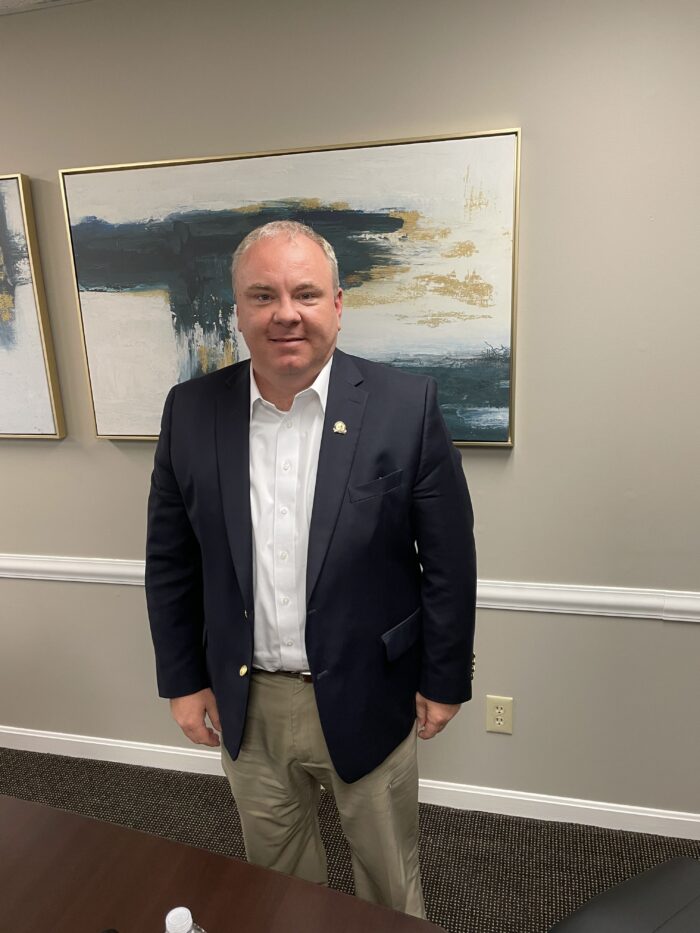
column 64, row 873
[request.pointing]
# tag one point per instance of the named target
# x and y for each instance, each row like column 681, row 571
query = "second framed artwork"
column 425, row 232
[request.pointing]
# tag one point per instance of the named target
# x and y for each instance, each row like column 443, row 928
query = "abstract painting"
column 29, row 401
column 425, row 232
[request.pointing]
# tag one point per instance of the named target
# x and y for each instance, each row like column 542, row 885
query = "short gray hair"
column 291, row 229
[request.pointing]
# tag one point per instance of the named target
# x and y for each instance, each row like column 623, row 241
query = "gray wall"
column 601, row 487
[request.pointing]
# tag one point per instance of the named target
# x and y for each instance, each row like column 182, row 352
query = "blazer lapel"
column 232, row 429
column 345, row 403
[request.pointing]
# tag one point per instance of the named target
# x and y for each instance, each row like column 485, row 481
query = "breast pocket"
column 377, row 487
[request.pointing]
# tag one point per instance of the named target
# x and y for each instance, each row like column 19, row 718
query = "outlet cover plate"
column 499, row 714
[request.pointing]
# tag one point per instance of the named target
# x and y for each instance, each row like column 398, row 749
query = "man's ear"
column 338, row 302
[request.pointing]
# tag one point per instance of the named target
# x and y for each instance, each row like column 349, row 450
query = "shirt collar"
column 319, row 386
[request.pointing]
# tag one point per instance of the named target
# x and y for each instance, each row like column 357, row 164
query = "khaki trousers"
column 276, row 784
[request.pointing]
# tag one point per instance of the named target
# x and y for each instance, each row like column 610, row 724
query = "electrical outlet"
column 499, row 714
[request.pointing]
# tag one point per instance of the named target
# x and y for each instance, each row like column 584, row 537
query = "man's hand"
column 433, row 717
column 189, row 712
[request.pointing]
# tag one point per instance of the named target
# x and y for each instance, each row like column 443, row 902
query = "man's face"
column 288, row 311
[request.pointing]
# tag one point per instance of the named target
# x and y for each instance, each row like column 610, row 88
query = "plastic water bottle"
column 179, row 920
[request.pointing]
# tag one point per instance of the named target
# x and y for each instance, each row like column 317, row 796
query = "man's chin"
column 292, row 354
column 291, row 365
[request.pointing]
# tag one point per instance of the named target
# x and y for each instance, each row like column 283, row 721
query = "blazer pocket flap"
column 377, row 487
column 400, row 638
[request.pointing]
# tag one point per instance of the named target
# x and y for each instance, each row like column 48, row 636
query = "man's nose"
column 286, row 311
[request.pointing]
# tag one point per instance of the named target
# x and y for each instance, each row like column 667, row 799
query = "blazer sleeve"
column 173, row 577
column 443, row 523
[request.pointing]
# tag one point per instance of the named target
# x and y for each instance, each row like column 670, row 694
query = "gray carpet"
column 482, row 873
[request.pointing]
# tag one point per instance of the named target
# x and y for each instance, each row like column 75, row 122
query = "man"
column 310, row 573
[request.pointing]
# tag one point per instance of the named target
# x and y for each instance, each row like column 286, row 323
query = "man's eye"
column 262, row 297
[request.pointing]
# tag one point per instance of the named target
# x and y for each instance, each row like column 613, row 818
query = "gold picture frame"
column 426, row 232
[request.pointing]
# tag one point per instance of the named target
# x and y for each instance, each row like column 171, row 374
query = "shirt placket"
column 284, row 533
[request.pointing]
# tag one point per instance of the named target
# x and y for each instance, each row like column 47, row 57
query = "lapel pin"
column 339, row 428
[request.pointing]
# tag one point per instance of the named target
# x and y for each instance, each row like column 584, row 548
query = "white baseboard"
column 442, row 793
column 571, row 599
column 561, row 809
column 169, row 757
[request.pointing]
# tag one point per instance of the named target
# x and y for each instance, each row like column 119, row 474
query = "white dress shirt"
column 284, row 448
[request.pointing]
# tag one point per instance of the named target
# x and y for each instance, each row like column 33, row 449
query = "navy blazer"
column 391, row 568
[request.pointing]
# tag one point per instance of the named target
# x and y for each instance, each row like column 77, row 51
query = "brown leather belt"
column 304, row 676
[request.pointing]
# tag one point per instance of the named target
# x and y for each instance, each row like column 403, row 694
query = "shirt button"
column 284, row 510
column 289, row 643
column 284, row 600
column 283, row 555
column 289, row 423
column 286, row 465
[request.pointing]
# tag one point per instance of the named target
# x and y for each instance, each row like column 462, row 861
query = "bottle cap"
column 179, row 920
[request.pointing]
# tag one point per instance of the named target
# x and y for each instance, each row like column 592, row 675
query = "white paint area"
column 133, row 357
column 435, row 177
column 25, row 402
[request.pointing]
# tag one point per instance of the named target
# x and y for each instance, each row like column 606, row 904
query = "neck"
column 281, row 393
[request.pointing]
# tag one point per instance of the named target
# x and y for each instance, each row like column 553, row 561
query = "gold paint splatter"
column 437, row 318
column 161, row 293
column 305, row 204
column 412, row 230
column 414, row 289
column 249, row 209
column 370, row 292
column 308, row 204
column 213, row 356
column 460, row 250
column 7, row 304
column 228, row 356
column 473, row 289
column 384, row 273
column 203, row 355
column 476, row 200
column 206, row 350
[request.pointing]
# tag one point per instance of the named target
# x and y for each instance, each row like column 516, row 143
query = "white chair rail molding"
column 569, row 599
